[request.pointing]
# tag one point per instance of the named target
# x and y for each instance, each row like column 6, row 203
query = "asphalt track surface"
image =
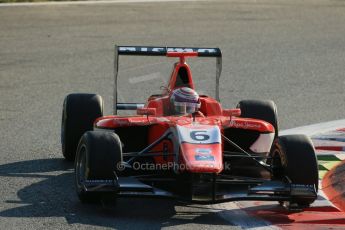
column 289, row 51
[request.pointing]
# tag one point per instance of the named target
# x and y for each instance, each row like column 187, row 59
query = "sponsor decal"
column 121, row 122
column 168, row 49
column 303, row 186
column 203, row 154
column 302, row 190
column 199, row 157
column 162, row 119
column 244, row 125
column 138, row 122
column 129, row 122
column 203, row 151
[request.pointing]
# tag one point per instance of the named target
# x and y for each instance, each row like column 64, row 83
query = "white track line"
column 92, row 2
column 311, row 130
column 235, row 215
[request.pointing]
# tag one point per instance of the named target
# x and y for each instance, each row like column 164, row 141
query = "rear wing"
column 161, row 51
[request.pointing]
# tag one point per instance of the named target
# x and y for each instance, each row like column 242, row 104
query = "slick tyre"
column 78, row 114
column 294, row 156
column 260, row 109
column 98, row 157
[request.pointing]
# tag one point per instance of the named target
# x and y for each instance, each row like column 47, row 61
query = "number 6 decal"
column 199, row 135
column 207, row 134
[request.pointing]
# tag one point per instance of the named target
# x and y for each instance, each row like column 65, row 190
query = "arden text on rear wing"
column 161, row 51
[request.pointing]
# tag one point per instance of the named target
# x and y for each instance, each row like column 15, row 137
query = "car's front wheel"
column 98, row 156
column 293, row 156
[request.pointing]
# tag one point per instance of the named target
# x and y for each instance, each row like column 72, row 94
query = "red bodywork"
column 196, row 154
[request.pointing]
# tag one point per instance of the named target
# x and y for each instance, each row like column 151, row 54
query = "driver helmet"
column 184, row 100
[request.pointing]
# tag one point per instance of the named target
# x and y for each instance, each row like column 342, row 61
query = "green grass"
column 326, row 162
column 327, row 158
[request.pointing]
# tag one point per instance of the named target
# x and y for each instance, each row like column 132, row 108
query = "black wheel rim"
column 80, row 169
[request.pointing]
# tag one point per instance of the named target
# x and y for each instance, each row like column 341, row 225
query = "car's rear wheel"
column 293, row 156
column 265, row 110
column 98, row 156
column 78, row 114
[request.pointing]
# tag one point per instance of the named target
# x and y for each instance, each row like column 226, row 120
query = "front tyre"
column 79, row 112
column 293, row 156
column 98, row 155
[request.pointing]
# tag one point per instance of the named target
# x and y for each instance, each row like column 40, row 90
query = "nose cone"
column 199, row 158
column 200, row 148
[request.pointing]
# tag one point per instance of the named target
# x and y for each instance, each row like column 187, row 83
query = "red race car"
column 183, row 145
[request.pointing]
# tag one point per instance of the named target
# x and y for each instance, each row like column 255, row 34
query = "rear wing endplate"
column 161, row 51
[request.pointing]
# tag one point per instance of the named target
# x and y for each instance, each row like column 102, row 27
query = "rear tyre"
column 294, row 156
column 78, row 114
column 98, row 156
column 265, row 110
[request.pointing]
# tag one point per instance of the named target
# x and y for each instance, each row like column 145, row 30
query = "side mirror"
column 146, row 111
column 232, row 112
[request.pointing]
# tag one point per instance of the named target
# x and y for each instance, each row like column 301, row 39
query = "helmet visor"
column 186, row 107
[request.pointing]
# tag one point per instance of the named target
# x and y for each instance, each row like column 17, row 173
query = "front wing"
column 217, row 190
